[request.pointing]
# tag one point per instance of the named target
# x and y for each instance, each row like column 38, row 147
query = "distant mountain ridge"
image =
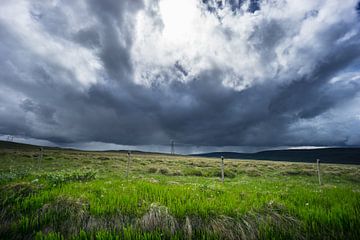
column 25, row 146
column 326, row 155
column 16, row 145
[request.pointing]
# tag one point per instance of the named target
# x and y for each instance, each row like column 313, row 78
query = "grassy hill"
column 23, row 146
column 326, row 155
column 15, row 145
column 71, row 194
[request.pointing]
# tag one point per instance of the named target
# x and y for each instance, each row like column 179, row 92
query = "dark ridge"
column 16, row 145
column 326, row 155
column 24, row 146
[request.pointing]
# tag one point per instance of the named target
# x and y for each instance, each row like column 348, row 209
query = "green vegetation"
column 86, row 195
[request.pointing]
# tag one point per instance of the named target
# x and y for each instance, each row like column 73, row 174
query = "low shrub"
column 64, row 176
column 12, row 175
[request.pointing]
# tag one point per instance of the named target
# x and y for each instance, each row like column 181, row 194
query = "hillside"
column 23, row 146
column 70, row 194
column 326, row 155
column 15, row 145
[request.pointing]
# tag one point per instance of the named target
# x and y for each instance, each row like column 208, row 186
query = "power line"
column 180, row 144
column 187, row 144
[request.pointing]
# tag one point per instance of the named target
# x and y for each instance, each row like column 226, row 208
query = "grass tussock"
column 193, row 172
column 165, row 171
column 65, row 215
column 152, row 170
column 13, row 192
column 158, row 219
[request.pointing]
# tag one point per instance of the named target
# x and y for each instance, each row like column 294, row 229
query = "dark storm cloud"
column 73, row 81
column 235, row 5
column 311, row 95
column 116, row 32
column 88, row 37
column 43, row 113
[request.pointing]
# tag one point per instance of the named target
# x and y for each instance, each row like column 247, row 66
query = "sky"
column 236, row 75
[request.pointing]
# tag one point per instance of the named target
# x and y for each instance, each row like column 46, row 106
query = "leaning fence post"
column 40, row 157
column 222, row 168
column 128, row 164
column 12, row 161
column 318, row 170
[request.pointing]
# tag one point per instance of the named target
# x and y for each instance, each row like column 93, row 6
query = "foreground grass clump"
column 86, row 195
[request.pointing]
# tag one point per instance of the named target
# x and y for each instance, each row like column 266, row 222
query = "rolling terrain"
column 326, row 155
column 70, row 194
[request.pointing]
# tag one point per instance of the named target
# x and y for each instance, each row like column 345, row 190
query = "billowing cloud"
column 202, row 72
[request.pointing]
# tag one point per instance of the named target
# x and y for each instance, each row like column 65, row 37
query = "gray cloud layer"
column 79, row 72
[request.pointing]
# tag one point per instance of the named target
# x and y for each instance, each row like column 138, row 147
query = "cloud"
column 131, row 72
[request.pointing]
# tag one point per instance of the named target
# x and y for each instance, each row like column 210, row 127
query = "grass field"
column 86, row 195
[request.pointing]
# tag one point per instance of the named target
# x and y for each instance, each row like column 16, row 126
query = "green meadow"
column 72, row 194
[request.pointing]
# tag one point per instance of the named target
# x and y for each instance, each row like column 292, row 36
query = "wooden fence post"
column 222, row 168
column 40, row 157
column 128, row 164
column 318, row 170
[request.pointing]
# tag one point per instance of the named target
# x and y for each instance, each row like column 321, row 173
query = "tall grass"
column 80, row 195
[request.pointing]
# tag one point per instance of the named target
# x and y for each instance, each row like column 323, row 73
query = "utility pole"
column 172, row 150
